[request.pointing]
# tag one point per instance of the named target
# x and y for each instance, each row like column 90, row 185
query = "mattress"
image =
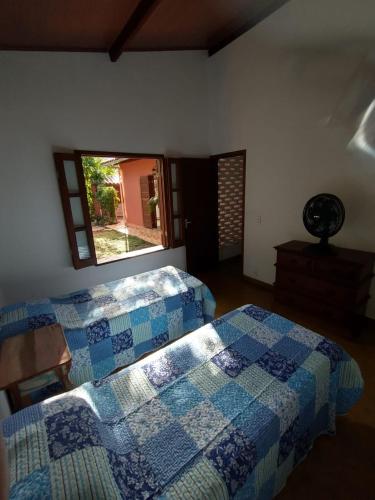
column 113, row 324
column 228, row 411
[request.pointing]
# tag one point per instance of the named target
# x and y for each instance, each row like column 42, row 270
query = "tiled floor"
column 340, row 467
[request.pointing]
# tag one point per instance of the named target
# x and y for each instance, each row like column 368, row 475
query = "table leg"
column 15, row 397
column 62, row 373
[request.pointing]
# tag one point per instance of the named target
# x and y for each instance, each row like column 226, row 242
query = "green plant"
column 95, row 174
column 153, row 203
column 109, row 200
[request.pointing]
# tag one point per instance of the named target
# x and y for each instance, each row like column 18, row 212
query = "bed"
column 227, row 411
column 111, row 325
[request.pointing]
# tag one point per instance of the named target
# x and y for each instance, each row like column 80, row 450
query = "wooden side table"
column 27, row 355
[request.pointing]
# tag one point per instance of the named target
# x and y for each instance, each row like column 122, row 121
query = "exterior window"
column 118, row 206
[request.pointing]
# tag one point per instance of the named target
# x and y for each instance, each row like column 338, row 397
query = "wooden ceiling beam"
column 254, row 19
column 134, row 23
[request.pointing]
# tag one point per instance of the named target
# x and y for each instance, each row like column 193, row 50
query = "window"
column 118, row 206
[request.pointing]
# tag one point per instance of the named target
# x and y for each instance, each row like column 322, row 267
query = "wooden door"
column 200, row 212
column 147, row 192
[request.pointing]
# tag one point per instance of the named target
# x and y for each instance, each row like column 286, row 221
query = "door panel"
column 200, row 212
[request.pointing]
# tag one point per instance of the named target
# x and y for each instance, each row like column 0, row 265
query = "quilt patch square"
column 157, row 309
column 104, row 300
column 228, row 333
column 172, row 303
column 188, row 296
column 149, row 419
column 12, row 314
column 168, row 451
column 332, row 351
column 159, row 325
column 67, row 316
column 25, row 488
column 257, row 313
column 265, row 435
column 124, row 358
column 181, row 397
column 41, row 320
column 119, row 324
column 104, row 366
column 104, row 402
column 139, row 315
column 76, row 338
column 133, row 475
column 279, row 323
column 98, row 331
column 231, row 362
column 208, row 378
column 117, row 437
column 141, row 333
column 291, row 349
column 234, row 457
column 199, row 309
column 188, row 312
column 30, row 415
column 40, row 307
column 159, row 340
column 101, row 350
column 203, row 422
column 175, row 323
column 230, row 400
column 277, row 365
column 122, row 341
column 288, row 441
column 13, row 328
column 133, row 390
column 185, row 358
column 72, row 429
column 162, row 371
column 305, row 336
column 250, row 348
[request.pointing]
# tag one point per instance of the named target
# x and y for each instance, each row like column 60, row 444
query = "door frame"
column 232, row 154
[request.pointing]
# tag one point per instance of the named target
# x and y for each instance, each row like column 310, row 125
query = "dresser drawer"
column 299, row 263
column 317, row 288
column 339, row 271
column 323, row 310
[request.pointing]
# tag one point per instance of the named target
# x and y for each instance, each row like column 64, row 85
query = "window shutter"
column 147, row 192
column 76, row 211
column 173, row 192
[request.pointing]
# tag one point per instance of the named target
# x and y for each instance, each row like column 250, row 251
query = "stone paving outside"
column 151, row 235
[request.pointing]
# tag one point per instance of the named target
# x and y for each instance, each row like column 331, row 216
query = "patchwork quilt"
column 111, row 325
column 225, row 412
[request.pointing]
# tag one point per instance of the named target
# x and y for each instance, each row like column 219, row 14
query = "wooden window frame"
column 174, row 241
column 165, row 202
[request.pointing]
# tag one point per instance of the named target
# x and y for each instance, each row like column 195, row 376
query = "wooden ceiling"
column 115, row 26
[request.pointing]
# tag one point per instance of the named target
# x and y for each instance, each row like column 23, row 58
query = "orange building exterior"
column 130, row 173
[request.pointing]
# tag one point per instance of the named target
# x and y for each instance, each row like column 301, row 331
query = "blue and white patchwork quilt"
column 225, row 412
column 112, row 325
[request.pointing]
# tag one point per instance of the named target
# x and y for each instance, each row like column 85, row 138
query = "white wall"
column 147, row 103
column 273, row 100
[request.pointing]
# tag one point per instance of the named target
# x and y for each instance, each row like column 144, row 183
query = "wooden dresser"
column 332, row 286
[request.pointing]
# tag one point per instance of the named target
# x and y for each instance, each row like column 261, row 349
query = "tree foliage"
column 96, row 174
column 109, row 200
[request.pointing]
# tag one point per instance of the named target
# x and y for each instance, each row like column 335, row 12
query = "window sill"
column 130, row 255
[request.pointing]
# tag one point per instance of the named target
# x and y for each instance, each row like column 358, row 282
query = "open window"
column 119, row 205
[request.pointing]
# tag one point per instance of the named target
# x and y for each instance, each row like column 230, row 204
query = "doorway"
column 213, row 194
column 231, row 204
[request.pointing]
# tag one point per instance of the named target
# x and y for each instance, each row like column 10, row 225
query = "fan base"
column 321, row 249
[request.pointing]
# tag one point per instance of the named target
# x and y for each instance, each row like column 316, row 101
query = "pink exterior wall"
column 131, row 171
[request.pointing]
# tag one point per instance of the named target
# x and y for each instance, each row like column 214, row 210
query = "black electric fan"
column 323, row 217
